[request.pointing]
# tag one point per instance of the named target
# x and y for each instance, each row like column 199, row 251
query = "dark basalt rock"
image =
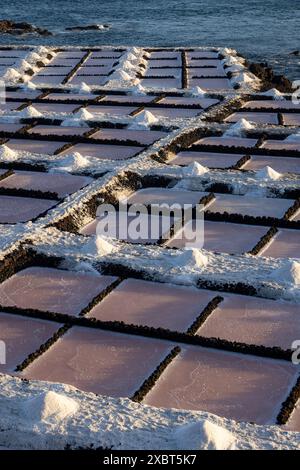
column 19, row 29
column 269, row 79
column 90, row 27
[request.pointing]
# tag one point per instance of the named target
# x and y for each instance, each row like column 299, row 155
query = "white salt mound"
column 83, row 114
column 84, row 267
column 138, row 89
column 79, row 161
column 235, row 68
column 30, row 111
column 42, row 50
column 143, row 119
column 204, row 435
column 230, row 61
column 84, row 88
column 274, row 93
column 50, row 406
column 128, row 65
column 131, row 57
column 33, row 57
column 197, row 91
column 267, row 173
column 24, row 65
column 138, row 51
column 72, row 162
column 121, row 75
column 192, row 257
column 7, row 154
column 242, row 79
column 11, row 75
column 194, row 169
column 104, row 245
column 289, row 273
column 239, row 128
column 29, row 86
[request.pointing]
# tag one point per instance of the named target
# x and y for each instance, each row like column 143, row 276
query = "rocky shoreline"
column 20, row 29
column 23, row 28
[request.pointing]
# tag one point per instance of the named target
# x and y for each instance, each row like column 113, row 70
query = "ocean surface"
column 262, row 30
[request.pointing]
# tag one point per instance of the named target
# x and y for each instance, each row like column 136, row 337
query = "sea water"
column 262, row 30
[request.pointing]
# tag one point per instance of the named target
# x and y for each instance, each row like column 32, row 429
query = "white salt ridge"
column 84, row 88
column 30, row 111
column 227, row 51
column 143, row 120
column 138, row 90
column 267, row 173
column 7, row 154
column 230, row 61
column 42, row 50
column 192, row 257
column 239, row 128
column 131, row 57
column 204, row 435
column 197, row 91
column 23, row 65
column 12, row 75
column 274, row 93
column 194, row 169
column 103, row 245
column 235, row 68
column 50, row 407
column 128, row 65
column 139, row 51
column 28, row 86
column 244, row 79
column 33, row 57
column 289, row 273
column 122, row 424
column 84, row 267
column 121, row 75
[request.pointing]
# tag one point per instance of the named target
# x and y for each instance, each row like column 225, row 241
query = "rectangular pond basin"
column 252, row 206
column 144, row 137
column 208, row 159
column 279, row 163
column 23, row 336
column 222, row 237
column 153, row 304
column 253, row 320
column 141, row 229
column 54, row 290
column 258, row 118
column 105, row 152
column 189, row 101
column 227, row 141
column 22, row 209
column 58, row 130
column 164, row 195
column 111, row 110
column 281, row 145
column 285, row 244
column 34, row 146
column 102, row 362
column 211, row 83
column 174, row 113
column 236, row 386
column 59, row 183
